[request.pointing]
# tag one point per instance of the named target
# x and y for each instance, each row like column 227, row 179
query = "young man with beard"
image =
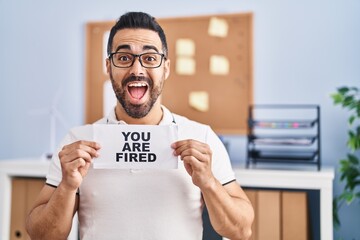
column 142, row 204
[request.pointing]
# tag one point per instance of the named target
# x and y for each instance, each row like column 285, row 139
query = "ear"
column 108, row 65
column 167, row 68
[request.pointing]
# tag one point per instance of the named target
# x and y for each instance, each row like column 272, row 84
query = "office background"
column 302, row 50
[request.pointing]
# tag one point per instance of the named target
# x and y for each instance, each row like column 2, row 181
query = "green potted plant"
column 349, row 98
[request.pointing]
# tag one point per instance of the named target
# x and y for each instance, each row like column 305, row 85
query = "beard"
column 136, row 110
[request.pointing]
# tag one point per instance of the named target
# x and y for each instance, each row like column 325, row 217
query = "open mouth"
column 137, row 89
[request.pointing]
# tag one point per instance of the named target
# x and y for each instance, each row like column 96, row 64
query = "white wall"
column 303, row 50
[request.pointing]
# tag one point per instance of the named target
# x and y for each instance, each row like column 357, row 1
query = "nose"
column 137, row 68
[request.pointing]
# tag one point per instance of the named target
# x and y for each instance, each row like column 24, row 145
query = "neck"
column 152, row 118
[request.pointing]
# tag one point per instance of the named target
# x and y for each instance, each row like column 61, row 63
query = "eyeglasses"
column 126, row 60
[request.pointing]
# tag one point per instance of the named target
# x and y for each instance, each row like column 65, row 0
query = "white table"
column 262, row 178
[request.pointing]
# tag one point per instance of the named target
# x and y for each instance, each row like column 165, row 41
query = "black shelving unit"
column 284, row 134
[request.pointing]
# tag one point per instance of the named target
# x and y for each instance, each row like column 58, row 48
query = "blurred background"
column 302, row 52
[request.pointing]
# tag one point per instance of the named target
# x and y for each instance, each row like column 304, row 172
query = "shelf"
column 284, row 133
column 284, row 124
column 294, row 140
column 280, row 155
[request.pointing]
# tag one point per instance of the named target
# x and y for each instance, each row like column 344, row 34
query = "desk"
column 296, row 179
column 262, row 178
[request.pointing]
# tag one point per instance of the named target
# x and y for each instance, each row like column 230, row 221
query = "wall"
column 302, row 52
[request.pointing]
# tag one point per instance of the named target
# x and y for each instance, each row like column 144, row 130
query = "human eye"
column 150, row 57
column 123, row 57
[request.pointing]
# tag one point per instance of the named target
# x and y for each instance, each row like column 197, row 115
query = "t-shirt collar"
column 166, row 119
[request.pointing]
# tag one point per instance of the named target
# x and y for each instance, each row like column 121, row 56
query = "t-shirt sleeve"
column 221, row 165
column 54, row 174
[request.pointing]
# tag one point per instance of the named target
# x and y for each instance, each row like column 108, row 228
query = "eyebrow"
column 127, row 47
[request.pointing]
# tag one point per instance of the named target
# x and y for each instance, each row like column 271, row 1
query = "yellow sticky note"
column 185, row 47
column 185, row 66
column 199, row 100
column 218, row 27
column 219, row 65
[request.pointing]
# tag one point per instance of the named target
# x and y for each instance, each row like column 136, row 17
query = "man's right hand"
column 75, row 160
column 53, row 211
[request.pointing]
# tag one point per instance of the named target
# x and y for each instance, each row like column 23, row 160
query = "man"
column 142, row 204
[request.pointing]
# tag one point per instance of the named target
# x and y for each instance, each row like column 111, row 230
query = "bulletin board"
column 227, row 93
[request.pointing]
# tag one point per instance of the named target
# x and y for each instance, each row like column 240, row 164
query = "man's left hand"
column 197, row 161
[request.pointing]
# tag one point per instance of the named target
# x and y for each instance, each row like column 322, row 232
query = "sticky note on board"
column 219, row 65
column 199, row 100
column 218, row 27
column 185, row 47
column 185, row 66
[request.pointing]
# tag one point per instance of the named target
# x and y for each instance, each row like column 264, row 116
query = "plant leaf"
column 348, row 197
column 343, row 90
column 337, row 98
column 347, row 101
column 358, row 194
column 351, row 119
column 336, row 219
column 353, row 159
column 355, row 89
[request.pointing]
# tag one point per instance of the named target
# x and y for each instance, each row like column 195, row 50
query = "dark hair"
column 137, row 20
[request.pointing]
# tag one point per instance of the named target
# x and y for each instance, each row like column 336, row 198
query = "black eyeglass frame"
column 137, row 56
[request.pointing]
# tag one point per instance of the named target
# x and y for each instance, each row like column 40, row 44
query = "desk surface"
column 36, row 167
column 273, row 178
column 32, row 167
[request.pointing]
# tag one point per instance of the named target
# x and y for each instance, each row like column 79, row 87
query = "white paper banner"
column 135, row 146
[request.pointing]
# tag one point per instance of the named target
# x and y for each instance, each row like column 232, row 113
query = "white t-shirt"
column 145, row 204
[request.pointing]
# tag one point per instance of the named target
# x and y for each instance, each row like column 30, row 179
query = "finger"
column 195, row 151
column 193, row 163
column 183, row 142
column 70, row 149
column 91, row 144
column 83, row 170
column 82, row 144
column 74, row 165
column 78, row 153
column 191, row 152
column 188, row 168
column 74, row 156
column 182, row 146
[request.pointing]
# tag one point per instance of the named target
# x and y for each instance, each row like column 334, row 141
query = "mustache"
column 134, row 78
